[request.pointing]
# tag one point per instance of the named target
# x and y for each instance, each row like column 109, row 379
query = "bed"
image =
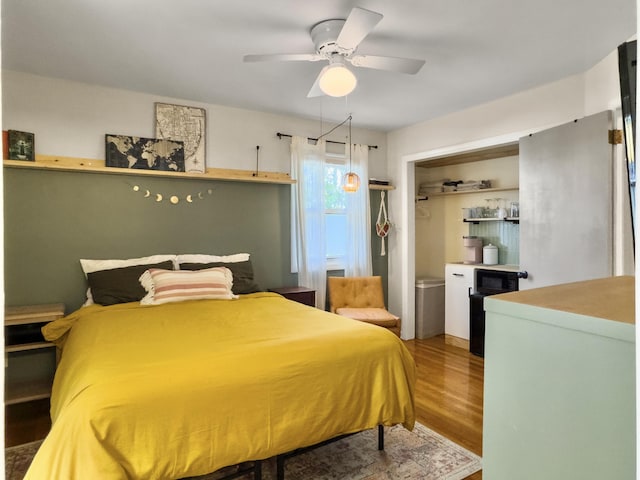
column 180, row 389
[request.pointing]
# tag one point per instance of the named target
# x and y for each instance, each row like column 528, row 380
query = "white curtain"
column 358, row 261
column 308, row 214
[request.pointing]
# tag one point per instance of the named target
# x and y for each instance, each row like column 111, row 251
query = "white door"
column 566, row 203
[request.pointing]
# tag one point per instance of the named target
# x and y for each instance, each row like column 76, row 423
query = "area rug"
column 418, row 455
column 17, row 459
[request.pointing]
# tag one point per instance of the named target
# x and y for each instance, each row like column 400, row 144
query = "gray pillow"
column 121, row 285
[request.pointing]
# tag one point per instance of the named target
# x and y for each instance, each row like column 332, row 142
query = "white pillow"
column 203, row 258
column 90, row 266
column 165, row 286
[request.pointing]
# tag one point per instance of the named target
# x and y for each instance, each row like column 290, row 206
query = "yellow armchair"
column 361, row 298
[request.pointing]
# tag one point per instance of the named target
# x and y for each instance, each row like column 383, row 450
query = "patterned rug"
column 418, row 455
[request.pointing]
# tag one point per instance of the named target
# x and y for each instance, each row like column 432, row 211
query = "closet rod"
column 280, row 135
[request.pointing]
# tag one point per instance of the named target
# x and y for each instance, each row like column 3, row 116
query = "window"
column 336, row 204
column 335, row 211
column 324, row 218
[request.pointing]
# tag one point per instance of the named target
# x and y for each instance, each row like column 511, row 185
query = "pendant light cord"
column 348, row 119
column 350, row 147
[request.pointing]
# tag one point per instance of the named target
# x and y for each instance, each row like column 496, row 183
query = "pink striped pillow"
column 164, row 286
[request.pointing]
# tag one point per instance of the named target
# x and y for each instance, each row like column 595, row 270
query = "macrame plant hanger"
column 382, row 223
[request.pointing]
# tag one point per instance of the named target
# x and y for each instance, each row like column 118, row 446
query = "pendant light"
column 351, row 181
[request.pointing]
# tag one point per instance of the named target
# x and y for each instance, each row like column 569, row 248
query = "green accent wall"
column 53, row 219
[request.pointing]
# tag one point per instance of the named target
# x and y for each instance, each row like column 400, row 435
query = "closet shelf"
column 465, row 192
column 482, row 220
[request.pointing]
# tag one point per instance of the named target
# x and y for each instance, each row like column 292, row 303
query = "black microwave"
column 492, row 282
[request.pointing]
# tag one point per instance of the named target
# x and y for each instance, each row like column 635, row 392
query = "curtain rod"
column 280, row 135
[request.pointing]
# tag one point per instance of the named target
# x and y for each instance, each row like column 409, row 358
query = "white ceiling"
column 475, row 51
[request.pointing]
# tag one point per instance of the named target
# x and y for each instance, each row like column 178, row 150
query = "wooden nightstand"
column 303, row 295
column 30, row 361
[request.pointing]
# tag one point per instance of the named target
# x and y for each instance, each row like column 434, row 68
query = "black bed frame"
column 256, row 466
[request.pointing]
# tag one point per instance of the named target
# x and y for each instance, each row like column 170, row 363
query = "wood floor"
column 26, row 422
column 449, row 391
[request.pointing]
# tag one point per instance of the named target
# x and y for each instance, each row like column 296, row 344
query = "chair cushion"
column 377, row 316
column 355, row 292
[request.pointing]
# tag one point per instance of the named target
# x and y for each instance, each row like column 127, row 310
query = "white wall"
column 497, row 122
column 70, row 119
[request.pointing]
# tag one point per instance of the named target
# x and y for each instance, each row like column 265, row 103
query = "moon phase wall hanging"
column 174, row 199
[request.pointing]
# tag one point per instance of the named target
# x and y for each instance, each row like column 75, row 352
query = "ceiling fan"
column 336, row 41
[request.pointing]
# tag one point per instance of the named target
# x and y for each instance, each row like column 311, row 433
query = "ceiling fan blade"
column 392, row 64
column 315, row 89
column 357, row 26
column 284, row 57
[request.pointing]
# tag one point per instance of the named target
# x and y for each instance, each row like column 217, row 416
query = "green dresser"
column 559, row 387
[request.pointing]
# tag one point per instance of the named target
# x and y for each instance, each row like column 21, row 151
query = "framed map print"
column 185, row 124
column 123, row 151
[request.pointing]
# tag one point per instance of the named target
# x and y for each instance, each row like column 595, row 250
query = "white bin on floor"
column 429, row 307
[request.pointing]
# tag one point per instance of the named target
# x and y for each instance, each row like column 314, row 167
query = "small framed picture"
column 21, row 145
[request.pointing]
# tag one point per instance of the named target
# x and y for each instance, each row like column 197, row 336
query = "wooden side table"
column 29, row 360
column 304, row 295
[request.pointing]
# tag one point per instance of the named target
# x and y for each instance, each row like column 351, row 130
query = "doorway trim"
column 405, row 277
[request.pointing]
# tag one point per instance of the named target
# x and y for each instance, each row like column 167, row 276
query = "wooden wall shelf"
column 92, row 165
column 381, row 187
column 73, row 164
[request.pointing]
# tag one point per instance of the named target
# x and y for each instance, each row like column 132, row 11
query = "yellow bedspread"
column 183, row 389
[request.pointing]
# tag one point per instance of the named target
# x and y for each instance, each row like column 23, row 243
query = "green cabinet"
column 560, row 382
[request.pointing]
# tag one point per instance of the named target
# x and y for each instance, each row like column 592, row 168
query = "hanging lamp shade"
column 351, row 182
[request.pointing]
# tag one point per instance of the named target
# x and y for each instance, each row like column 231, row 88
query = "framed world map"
column 185, row 124
column 144, row 153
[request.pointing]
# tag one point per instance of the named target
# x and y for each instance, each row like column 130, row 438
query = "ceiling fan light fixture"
column 337, row 80
column 337, row 40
